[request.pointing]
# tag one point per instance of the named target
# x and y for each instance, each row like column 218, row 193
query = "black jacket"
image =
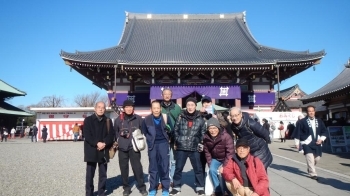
column 95, row 130
column 44, row 132
column 35, row 130
column 257, row 136
column 188, row 138
column 128, row 124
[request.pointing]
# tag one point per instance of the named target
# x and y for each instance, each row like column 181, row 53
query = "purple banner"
column 258, row 99
column 213, row 91
column 140, row 99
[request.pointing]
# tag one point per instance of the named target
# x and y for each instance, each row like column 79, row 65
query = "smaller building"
column 8, row 112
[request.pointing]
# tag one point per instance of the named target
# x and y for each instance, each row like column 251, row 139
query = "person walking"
column 188, row 133
column 218, row 149
column 157, row 129
column 4, row 134
column 173, row 111
column 26, row 131
column 76, row 131
column 13, row 131
column 258, row 137
column 124, row 125
column 44, row 134
column 34, row 133
column 99, row 137
column 310, row 133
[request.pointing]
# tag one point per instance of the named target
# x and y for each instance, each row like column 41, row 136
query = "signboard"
column 337, row 139
column 346, row 130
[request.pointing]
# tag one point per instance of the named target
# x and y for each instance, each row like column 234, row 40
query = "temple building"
column 9, row 113
column 194, row 55
column 335, row 95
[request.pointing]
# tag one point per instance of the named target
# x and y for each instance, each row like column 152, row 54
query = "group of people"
column 173, row 135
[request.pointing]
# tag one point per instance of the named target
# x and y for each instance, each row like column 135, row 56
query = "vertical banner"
column 346, row 130
column 337, row 139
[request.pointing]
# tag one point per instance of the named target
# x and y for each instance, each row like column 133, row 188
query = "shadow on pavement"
column 345, row 164
column 113, row 183
column 334, row 183
column 287, row 149
column 288, row 169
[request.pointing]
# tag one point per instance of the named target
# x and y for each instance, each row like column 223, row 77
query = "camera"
column 125, row 133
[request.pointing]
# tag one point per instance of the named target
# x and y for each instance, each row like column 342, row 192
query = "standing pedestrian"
column 4, row 134
column 157, row 129
column 26, row 131
column 310, row 134
column 188, row 133
column 124, row 125
column 258, row 137
column 99, row 137
column 13, row 131
column 282, row 132
column 173, row 111
column 76, row 130
column 44, row 133
column 34, row 133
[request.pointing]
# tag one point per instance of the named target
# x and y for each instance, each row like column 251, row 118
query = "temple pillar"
column 178, row 76
column 237, row 103
column 153, row 74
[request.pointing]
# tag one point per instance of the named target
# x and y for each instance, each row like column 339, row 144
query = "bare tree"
column 53, row 101
column 104, row 99
column 87, row 100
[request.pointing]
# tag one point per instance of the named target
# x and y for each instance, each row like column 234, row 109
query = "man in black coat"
column 310, row 133
column 98, row 140
column 124, row 125
column 34, row 133
column 258, row 137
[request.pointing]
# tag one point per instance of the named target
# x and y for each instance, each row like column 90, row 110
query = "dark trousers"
column 34, row 136
column 181, row 158
column 135, row 161
column 102, row 177
column 159, row 166
column 44, row 138
column 4, row 137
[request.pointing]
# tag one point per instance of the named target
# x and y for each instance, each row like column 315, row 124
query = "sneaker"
column 174, row 192
column 144, row 193
column 201, row 192
column 165, row 193
column 152, row 193
column 126, row 193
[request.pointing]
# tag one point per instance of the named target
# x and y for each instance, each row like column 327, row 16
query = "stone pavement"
column 57, row 168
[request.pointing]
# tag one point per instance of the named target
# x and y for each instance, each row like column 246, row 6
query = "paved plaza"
column 57, row 168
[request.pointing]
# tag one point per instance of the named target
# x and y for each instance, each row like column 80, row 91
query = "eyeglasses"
column 242, row 148
column 235, row 115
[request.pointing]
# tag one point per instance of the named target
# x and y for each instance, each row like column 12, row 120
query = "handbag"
column 114, row 147
column 138, row 140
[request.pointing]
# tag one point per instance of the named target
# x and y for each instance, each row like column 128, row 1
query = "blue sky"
column 34, row 32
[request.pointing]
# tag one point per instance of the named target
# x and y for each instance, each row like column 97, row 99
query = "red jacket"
column 255, row 172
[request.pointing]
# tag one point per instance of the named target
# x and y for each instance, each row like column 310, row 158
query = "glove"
column 200, row 147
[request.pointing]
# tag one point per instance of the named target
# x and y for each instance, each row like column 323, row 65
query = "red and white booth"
column 60, row 121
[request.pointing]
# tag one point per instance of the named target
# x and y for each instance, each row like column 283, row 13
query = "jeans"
column 181, row 158
column 76, row 135
column 216, row 178
column 34, row 136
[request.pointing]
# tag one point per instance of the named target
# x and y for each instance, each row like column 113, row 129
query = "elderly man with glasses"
column 258, row 137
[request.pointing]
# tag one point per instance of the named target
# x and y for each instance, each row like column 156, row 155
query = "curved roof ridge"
column 322, row 91
column 13, row 88
column 295, row 52
column 190, row 16
column 248, row 34
column 87, row 52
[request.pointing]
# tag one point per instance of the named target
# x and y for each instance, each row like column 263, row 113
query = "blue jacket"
column 149, row 129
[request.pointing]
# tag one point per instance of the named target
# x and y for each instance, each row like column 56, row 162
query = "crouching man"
column 245, row 175
column 157, row 130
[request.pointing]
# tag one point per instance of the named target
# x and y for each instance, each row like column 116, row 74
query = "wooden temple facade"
column 194, row 54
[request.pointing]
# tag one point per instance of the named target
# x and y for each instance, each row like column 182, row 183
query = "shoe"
column 174, row 192
column 152, row 193
column 126, row 193
column 314, row 177
column 201, row 192
column 165, row 193
column 160, row 187
column 144, row 193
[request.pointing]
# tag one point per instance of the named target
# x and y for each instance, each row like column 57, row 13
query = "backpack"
column 273, row 127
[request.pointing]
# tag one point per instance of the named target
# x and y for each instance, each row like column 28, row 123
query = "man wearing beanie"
column 218, row 149
column 188, row 132
column 124, row 125
column 245, row 174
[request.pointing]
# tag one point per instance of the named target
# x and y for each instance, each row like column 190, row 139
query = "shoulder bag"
column 114, row 147
column 138, row 140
